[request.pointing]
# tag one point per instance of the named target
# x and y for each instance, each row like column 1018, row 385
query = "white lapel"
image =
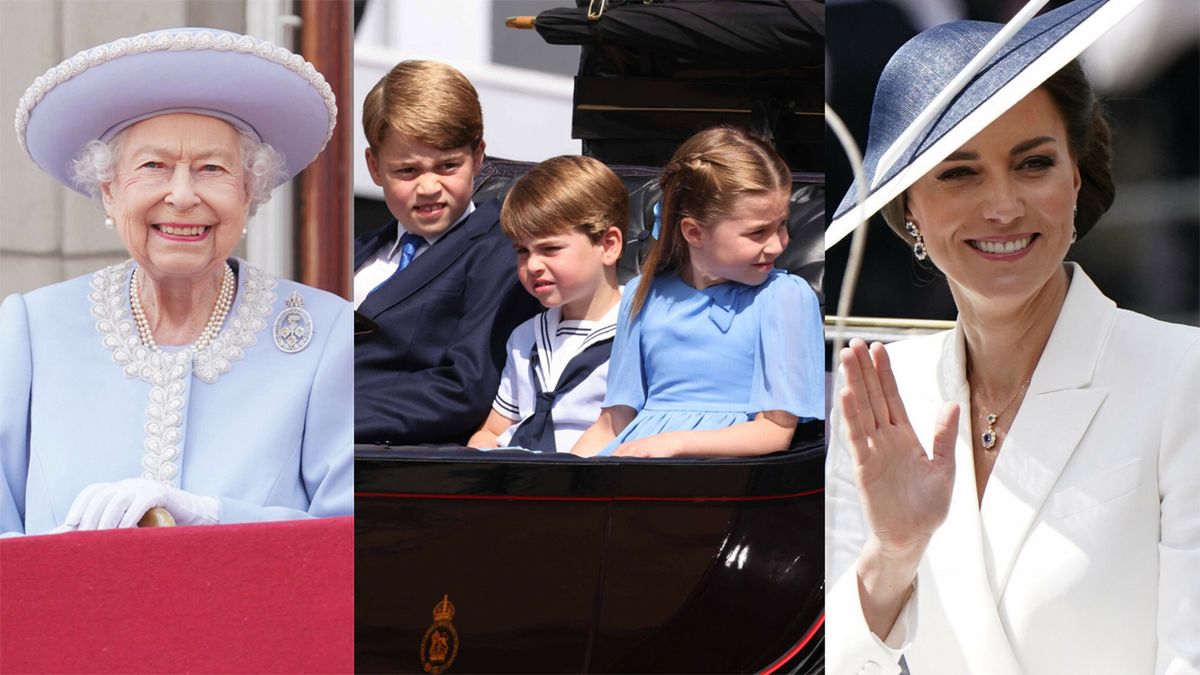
column 956, row 572
column 1048, row 426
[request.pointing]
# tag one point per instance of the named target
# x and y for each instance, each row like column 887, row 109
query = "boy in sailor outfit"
column 565, row 219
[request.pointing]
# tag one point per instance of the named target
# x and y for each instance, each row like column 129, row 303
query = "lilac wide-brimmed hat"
column 942, row 88
column 265, row 90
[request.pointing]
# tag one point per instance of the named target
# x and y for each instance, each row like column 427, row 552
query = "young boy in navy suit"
column 566, row 219
column 434, row 289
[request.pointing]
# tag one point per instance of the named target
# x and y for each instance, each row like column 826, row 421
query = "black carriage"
column 510, row 561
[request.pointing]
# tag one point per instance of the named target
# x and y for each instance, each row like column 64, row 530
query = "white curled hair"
column 265, row 167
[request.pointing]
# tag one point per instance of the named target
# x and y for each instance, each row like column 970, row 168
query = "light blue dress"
column 712, row 358
column 266, row 431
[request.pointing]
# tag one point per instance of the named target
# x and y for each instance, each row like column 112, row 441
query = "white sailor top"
column 562, row 363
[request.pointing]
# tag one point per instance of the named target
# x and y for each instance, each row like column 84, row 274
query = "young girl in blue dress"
column 717, row 352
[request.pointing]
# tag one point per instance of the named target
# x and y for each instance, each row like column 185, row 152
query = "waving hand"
column 905, row 493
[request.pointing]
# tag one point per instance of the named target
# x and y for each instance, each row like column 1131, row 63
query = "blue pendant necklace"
column 988, row 437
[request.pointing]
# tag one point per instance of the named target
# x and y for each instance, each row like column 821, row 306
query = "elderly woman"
column 182, row 378
column 1018, row 495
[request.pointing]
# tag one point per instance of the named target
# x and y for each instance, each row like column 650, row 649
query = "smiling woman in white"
column 183, row 378
column 1020, row 494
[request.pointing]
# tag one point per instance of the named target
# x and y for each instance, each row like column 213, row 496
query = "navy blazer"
column 427, row 370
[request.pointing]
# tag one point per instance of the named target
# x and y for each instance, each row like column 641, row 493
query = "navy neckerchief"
column 537, row 431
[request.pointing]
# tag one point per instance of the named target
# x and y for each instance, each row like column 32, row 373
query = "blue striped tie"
column 409, row 245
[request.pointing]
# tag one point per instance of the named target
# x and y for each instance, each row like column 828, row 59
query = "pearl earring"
column 918, row 241
column 109, row 223
column 243, row 231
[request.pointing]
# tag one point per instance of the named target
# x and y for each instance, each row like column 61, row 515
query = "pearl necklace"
column 215, row 321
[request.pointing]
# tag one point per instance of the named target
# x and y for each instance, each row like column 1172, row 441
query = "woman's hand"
column 104, row 506
column 905, row 493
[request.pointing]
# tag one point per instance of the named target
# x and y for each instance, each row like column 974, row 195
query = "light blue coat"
column 81, row 401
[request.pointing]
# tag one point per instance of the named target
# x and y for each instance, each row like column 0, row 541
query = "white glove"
column 103, row 506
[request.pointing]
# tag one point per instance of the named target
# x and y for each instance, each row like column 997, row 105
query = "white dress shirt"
column 380, row 267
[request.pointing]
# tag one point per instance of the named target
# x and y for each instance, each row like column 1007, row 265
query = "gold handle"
column 157, row 517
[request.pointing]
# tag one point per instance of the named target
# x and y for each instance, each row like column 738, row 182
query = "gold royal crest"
column 440, row 644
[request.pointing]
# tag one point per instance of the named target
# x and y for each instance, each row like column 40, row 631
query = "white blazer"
column 1084, row 556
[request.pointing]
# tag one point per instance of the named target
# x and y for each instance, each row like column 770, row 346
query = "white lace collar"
column 114, row 321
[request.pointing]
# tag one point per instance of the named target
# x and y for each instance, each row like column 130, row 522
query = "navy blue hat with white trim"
column 948, row 83
column 267, row 91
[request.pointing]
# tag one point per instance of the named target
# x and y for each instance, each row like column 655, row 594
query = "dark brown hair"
column 1089, row 139
column 706, row 174
column 427, row 100
column 565, row 193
